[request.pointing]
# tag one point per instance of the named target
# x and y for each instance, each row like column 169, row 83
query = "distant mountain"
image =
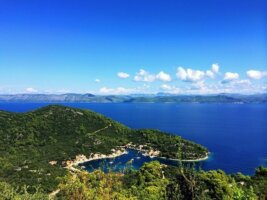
column 135, row 98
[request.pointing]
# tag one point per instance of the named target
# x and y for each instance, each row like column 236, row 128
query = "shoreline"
column 81, row 159
column 155, row 154
column 190, row 160
column 71, row 164
column 145, row 150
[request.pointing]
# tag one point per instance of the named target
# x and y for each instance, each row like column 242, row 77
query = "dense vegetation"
column 152, row 181
column 28, row 141
column 155, row 182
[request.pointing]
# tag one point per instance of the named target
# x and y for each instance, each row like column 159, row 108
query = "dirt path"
column 102, row 129
column 53, row 194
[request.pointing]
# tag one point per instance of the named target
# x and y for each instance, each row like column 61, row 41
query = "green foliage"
column 170, row 146
column 95, row 185
column 187, row 183
column 154, row 181
column 146, row 183
column 7, row 192
column 28, row 141
column 259, row 182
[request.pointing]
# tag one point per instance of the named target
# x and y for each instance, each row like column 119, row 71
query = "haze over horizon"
column 143, row 46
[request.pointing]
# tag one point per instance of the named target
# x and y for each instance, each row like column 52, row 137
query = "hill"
column 135, row 98
column 29, row 141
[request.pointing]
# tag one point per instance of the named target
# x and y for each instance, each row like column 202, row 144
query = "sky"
column 133, row 46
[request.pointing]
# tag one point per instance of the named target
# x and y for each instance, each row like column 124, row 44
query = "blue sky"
column 133, row 46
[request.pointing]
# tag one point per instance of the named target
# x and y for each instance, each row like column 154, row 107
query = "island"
column 44, row 142
column 40, row 152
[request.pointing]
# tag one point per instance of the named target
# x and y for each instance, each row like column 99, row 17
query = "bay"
column 235, row 134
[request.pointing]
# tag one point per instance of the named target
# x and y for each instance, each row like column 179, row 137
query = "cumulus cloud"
column 230, row 76
column 123, row 75
column 244, row 86
column 97, row 80
column 31, row 90
column 213, row 71
column 210, row 74
column 215, row 68
column 144, row 76
column 170, row 89
column 165, row 87
column 189, row 75
column 118, row 90
column 162, row 76
column 200, row 85
column 242, row 82
column 254, row 74
column 236, row 86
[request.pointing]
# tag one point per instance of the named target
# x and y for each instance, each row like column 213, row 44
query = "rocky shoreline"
column 189, row 160
column 145, row 150
column 148, row 151
column 79, row 159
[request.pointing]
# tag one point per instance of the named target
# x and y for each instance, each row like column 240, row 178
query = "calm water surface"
column 235, row 134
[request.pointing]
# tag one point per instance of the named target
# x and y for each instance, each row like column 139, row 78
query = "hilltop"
column 29, row 141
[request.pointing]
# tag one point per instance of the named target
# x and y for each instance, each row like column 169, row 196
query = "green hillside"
column 28, row 141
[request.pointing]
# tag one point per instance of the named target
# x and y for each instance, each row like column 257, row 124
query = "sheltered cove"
column 144, row 149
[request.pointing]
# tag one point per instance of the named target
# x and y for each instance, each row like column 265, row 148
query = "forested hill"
column 29, row 141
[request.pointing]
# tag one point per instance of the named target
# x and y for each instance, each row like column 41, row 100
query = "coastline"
column 155, row 153
column 80, row 159
column 145, row 150
column 190, row 160
column 71, row 164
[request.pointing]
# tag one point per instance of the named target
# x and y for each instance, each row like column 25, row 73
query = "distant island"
column 134, row 98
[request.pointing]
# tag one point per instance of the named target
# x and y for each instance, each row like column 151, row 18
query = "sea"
column 235, row 134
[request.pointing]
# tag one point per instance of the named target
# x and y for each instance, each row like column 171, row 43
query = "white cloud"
column 162, row 76
column 254, row 74
column 144, row 76
column 189, row 75
column 235, row 86
column 118, row 90
column 215, row 68
column 123, row 75
column 242, row 82
column 213, row 71
column 230, row 76
column 244, row 86
column 200, row 85
column 210, row 74
column 170, row 89
column 31, row 90
column 61, row 91
column 97, row 80
column 166, row 87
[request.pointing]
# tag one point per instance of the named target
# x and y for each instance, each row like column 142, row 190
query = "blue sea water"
column 235, row 134
column 133, row 159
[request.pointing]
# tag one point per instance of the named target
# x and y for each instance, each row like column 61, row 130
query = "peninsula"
column 38, row 146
